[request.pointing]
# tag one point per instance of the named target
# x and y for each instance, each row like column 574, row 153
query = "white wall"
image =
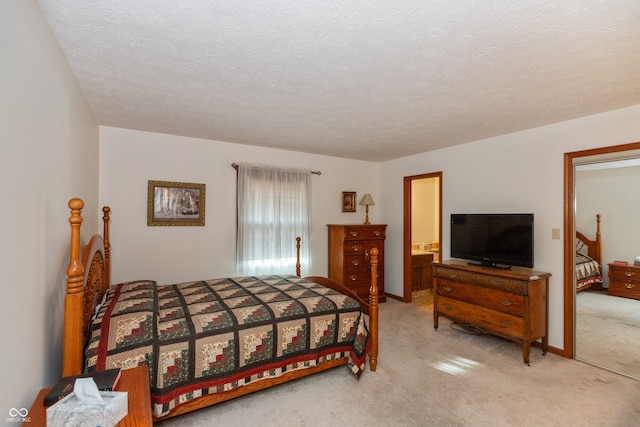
column 519, row 172
column 49, row 154
column 128, row 159
column 425, row 200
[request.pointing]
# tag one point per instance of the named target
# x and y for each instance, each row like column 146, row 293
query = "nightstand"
column 624, row 281
column 135, row 381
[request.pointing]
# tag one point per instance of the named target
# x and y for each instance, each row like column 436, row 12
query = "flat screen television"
column 494, row 240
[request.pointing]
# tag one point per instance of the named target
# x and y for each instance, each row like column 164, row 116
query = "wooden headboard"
column 88, row 276
column 594, row 247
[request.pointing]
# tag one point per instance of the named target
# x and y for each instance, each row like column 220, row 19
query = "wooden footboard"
column 88, row 278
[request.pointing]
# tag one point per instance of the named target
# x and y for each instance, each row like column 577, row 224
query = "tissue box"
column 71, row 412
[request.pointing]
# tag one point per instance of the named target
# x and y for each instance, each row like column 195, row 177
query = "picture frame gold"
column 349, row 201
column 175, row 203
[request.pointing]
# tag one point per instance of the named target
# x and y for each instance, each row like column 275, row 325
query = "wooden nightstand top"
column 135, row 381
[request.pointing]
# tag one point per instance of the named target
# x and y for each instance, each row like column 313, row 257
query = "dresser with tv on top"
column 510, row 303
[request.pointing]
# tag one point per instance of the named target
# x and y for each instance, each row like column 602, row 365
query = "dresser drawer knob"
column 505, row 324
column 453, row 275
column 629, row 273
column 447, row 289
column 352, row 277
column 355, row 262
column 496, row 283
column 353, row 233
column 505, row 302
column 355, row 248
column 448, row 307
column 376, row 233
column 630, row 285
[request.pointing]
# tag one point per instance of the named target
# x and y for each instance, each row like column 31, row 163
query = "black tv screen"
column 495, row 240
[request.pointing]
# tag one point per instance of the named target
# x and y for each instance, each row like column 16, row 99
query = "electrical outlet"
column 555, row 233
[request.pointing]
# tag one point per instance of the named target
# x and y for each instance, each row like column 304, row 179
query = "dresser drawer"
column 357, row 278
column 359, row 233
column 624, row 273
column 454, row 290
column 506, row 302
column 501, row 323
column 354, row 263
column 354, row 248
column 453, row 274
column 502, row 283
column 624, row 288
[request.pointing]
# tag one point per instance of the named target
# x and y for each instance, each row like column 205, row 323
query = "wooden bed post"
column 298, row 256
column 373, row 311
column 107, row 246
column 73, row 302
column 598, row 248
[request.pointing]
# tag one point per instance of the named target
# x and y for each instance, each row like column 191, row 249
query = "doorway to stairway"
column 422, row 232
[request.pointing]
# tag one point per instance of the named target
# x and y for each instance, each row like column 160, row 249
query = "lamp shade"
column 367, row 200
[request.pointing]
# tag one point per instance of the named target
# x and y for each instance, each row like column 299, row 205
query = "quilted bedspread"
column 587, row 271
column 212, row 336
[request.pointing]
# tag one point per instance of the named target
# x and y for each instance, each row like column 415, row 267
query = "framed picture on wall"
column 175, row 203
column 348, row 201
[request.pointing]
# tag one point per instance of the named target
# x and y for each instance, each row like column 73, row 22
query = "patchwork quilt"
column 587, row 271
column 213, row 336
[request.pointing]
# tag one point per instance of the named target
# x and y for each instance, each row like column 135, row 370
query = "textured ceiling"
column 371, row 80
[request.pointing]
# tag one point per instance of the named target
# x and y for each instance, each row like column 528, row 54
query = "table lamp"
column 367, row 200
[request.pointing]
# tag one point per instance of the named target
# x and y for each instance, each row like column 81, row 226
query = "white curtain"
column 273, row 209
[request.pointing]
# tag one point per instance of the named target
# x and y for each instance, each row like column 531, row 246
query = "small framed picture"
column 175, row 203
column 348, row 201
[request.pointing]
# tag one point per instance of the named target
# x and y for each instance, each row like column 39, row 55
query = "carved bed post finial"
column 72, row 362
column 598, row 249
column 107, row 245
column 373, row 311
column 298, row 256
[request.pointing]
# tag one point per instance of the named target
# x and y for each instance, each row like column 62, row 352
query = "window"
column 273, row 209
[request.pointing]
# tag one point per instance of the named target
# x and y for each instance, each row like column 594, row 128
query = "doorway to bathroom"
column 422, row 235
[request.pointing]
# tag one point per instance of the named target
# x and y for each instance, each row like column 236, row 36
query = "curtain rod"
column 235, row 166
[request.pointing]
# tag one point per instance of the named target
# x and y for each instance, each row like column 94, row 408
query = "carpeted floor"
column 439, row 378
column 608, row 331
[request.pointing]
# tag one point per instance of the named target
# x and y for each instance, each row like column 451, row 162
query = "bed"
column 213, row 340
column 589, row 260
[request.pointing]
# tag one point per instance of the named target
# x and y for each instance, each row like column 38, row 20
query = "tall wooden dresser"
column 349, row 260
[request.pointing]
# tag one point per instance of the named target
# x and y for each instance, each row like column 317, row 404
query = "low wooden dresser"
column 508, row 303
column 624, row 281
column 349, row 260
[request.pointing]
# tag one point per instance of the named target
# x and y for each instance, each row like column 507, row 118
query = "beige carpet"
column 439, row 378
column 608, row 332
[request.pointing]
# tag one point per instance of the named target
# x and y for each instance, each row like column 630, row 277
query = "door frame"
column 406, row 244
column 569, row 237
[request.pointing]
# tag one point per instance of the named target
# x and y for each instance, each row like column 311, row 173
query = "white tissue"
column 88, row 407
column 87, row 391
